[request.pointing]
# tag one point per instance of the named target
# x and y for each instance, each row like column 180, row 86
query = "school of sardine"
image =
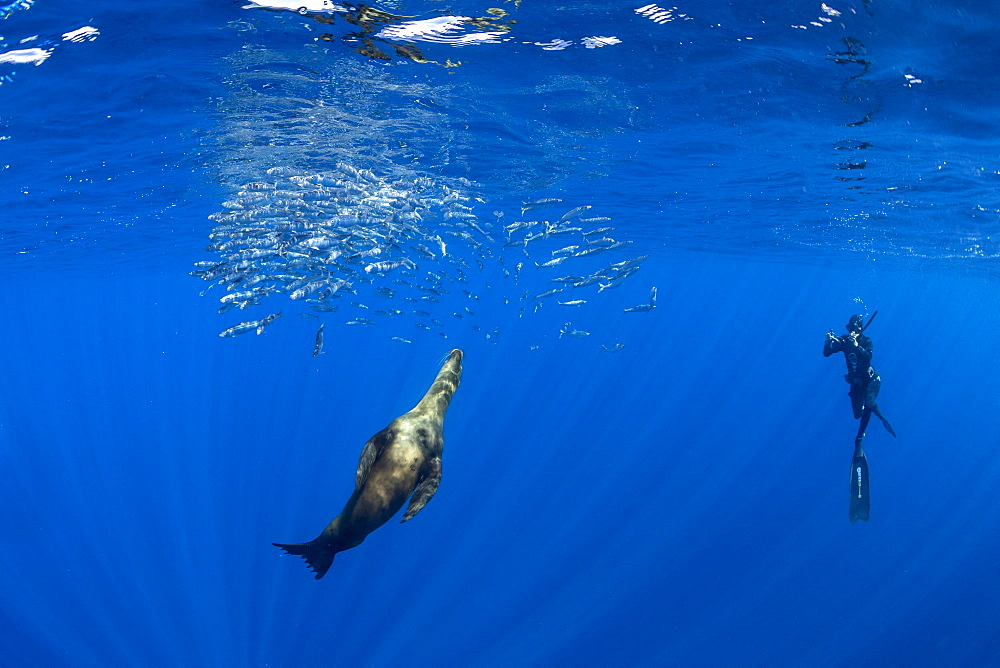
column 334, row 239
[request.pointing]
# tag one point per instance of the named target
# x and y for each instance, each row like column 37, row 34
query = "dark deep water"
column 682, row 501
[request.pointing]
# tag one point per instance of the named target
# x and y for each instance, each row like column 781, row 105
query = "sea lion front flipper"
column 425, row 490
column 369, row 455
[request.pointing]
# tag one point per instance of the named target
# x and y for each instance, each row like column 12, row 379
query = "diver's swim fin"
column 885, row 423
column 859, row 487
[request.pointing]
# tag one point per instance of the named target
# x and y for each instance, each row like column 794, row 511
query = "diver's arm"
column 831, row 346
column 865, row 343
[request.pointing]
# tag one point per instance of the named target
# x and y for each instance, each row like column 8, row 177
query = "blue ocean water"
column 662, row 487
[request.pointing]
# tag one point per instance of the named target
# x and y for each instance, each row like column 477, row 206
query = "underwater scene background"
column 637, row 221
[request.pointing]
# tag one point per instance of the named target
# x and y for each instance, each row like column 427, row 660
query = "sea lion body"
column 402, row 461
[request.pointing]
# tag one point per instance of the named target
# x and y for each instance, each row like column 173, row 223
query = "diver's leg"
column 857, row 396
column 873, row 387
column 885, row 423
column 866, row 415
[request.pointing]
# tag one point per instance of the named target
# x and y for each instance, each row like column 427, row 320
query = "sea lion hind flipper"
column 369, row 455
column 318, row 554
column 425, row 490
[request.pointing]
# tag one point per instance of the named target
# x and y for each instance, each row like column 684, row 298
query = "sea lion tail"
column 318, row 554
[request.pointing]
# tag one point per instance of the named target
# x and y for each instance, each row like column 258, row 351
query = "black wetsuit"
column 865, row 383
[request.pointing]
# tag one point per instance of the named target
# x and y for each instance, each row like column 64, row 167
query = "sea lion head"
column 438, row 397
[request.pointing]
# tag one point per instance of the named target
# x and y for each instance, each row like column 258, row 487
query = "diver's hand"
column 830, row 336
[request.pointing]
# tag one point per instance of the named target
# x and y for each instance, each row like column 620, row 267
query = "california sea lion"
column 401, row 461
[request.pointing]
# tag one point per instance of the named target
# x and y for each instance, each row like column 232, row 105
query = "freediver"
column 865, row 384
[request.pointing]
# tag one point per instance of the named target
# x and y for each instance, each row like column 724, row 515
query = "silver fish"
column 388, row 265
column 514, row 227
column 420, row 248
column 625, row 273
column 630, row 263
column 641, row 308
column 573, row 213
column 371, row 252
column 617, row 280
column 593, row 250
column 241, row 328
column 244, row 295
column 568, row 250
column 546, row 201
column 444, row 247
column 307, row 289
column 318, row 348
column 564, row 230
column 265, row 321
column 316, row 243
column 567, row 330
column 323, row 308
column 603, row 241
column 589, row 280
